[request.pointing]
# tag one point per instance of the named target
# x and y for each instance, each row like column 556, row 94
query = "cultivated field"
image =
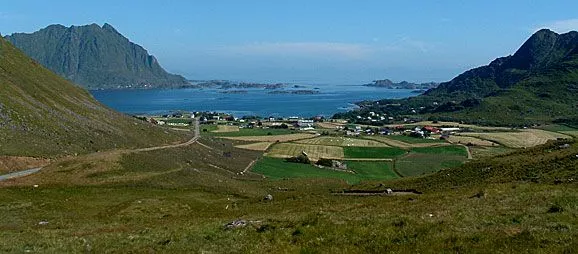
column 487, row 151
column 274, row 138
column 314, row 152
column 414, row 140
column 470, row 140
column 452, row 124
column 259, row 146
column 373, row 152
column 525, row 138
column 275, row 168
column 326, row 125
column 226, row 128
column 570, row 133
column 401, row 144
column 342, row 141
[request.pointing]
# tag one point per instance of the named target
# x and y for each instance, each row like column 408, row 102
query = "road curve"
column 19, row 174
column 196, row 136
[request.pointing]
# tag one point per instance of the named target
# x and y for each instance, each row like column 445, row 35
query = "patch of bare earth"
column 10, row 164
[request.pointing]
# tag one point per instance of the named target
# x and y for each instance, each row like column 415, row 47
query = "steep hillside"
column 538, row 83
column 95, row 57
column 42, row 114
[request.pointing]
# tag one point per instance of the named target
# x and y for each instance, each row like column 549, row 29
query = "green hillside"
column 179, row 200
column 41, row 114
column 537, row 84
column 95, row 57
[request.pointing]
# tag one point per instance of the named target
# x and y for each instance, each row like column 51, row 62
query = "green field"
column 208, row 128
column 416, row 164
column 557, row 128
column 275, row 168
column 506, row 204
column 426, row 160
column 255, row 132
column 373, row 152
column 442, row 150
column 373, row 169
column 412, row 140
column 342, row 141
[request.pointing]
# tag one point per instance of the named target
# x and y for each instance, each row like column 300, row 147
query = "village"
column 318, row 124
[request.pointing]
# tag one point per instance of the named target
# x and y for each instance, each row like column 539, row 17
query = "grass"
column 504, row 204
column 486, row 152
column 557, row 128
column 525, row 138
column 208, row 128
column 259, row 146
column 342, row 141
column 570, row 133
column 226, row 128
column 273, row 138
column 416, row 164
column 373, row 152
column 43, row 115
column 414, row 140
column 373, row 169
column 469, row 140
column 256, row 132
column 275, row 168
column 314, row 152
column 442, row 150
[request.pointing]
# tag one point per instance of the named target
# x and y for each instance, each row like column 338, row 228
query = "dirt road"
column 196, row 136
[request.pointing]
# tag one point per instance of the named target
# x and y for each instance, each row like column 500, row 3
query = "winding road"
column 196, row 136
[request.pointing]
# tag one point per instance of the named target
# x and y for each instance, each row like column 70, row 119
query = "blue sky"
column 309, row 41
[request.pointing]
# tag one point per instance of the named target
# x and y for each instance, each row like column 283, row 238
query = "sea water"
column 260, row 102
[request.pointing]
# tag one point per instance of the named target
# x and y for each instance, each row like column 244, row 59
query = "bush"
column 325, row 162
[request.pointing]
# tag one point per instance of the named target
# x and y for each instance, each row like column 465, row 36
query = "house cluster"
column 298, row 123
column 375, row 117
column 177, row 119
column 413, row 131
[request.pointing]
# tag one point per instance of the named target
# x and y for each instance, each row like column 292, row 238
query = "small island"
column 295, row 92
column 234, row 92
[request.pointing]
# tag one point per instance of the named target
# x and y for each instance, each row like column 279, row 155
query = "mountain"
column 538, row 83
column 95, row 57
column 44, row 115
column 386, row 83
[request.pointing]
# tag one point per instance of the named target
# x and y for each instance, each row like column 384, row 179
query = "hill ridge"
column 96, row 57
column 43, row 115
column 536, row 84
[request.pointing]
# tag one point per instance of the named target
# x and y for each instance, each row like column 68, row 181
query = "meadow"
column 342, row 141
column 373, row 152
column 259, row 146
column 226, row 128
column 521, row 139
column 414, row 140
column 186, row 209
column 275, row 168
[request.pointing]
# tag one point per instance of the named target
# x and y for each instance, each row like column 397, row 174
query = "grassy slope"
column 546, row 163
column 185, row 210
column 255, row 132
column 42, row 114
